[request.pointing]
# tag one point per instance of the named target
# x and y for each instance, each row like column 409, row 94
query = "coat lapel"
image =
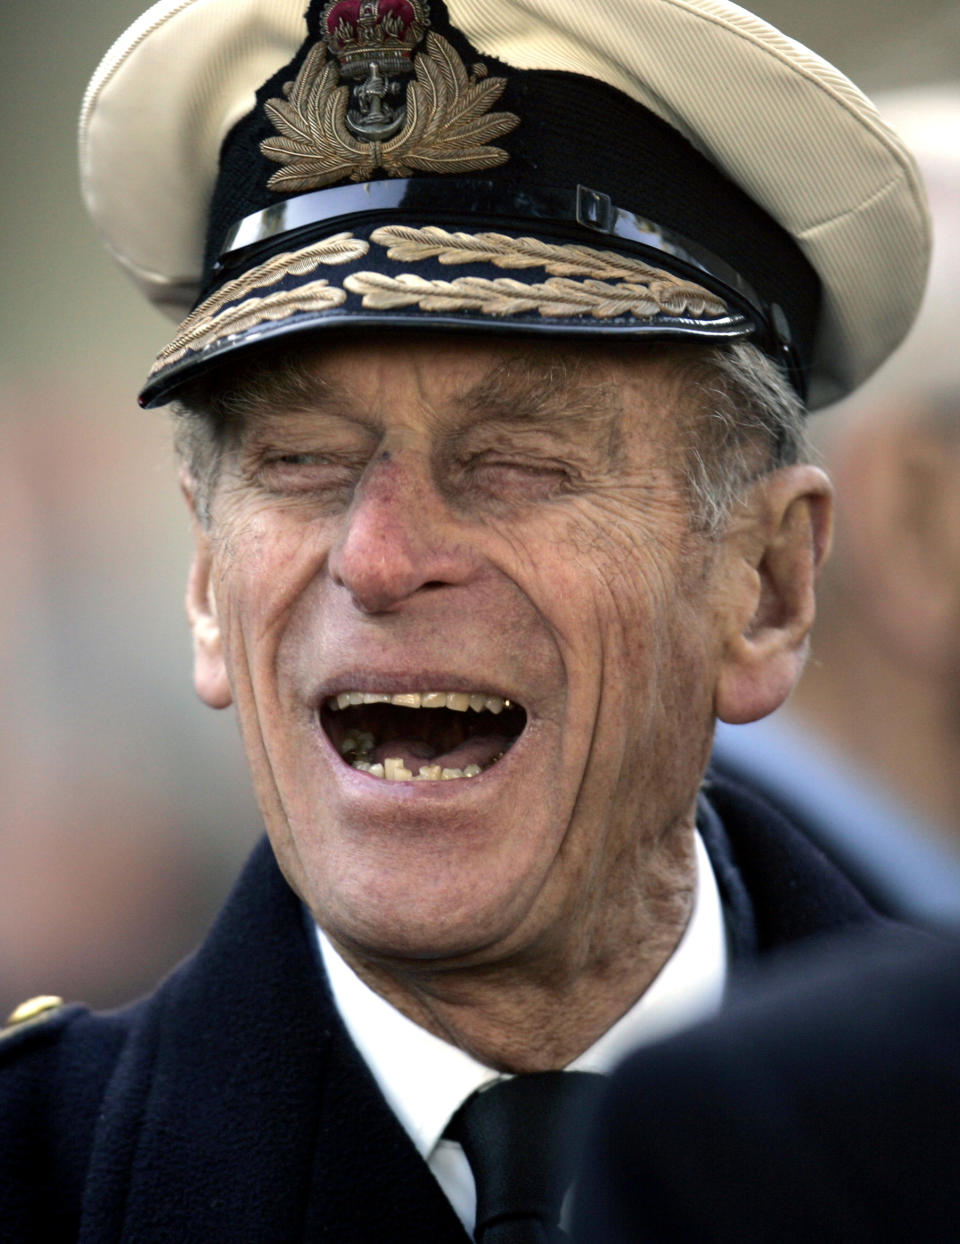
column 777, row 886
column 239, row 1110
column 370, row 1184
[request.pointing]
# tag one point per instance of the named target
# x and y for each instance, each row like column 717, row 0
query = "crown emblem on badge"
column 374, row 41
column 349, row 115
column 382, row 32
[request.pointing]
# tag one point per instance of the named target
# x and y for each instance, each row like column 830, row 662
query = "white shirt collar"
column 424, row 1079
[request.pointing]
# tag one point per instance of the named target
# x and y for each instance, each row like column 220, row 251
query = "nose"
column 398, row 538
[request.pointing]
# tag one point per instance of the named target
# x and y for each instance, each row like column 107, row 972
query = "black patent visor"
column 472, row 203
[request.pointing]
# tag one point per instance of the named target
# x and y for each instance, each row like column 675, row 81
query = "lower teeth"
column 358, row 748
column 394, row 770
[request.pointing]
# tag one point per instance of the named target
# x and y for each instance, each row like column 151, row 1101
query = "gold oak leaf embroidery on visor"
column 616, row 285
column 208, row 323
column 670, row 294
column 503, row 295
column 315, row 296
column 447, row 127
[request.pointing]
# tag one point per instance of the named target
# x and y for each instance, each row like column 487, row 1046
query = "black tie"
column 520, row 1139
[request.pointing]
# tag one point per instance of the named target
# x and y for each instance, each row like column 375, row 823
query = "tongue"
column 479, row 750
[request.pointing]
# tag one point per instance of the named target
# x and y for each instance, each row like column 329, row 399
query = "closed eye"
column 517, row 477
column 314, row 472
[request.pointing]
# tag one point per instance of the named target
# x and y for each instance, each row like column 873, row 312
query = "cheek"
column 262, row 567
column 625, row 595
column 610, row 575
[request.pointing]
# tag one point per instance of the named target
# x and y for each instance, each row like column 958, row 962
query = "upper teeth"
column 459, row 701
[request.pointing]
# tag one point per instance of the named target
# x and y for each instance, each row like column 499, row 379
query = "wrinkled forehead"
column 449, row 382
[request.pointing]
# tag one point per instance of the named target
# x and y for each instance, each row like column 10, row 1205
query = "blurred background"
column 125, row 809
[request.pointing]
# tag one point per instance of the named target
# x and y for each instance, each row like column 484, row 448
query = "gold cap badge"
column 329, row 130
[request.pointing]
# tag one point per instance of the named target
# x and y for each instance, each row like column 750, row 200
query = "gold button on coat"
column 33, row 1008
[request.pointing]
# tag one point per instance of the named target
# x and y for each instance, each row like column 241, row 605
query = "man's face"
column 470, row 523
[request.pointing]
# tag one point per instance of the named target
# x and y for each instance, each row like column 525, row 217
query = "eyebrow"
column 525, row 391
column 281, row 388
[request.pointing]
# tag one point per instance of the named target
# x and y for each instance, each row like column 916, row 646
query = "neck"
column 539, row 1009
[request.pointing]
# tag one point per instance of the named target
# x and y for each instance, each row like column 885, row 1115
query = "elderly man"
column 490, row 406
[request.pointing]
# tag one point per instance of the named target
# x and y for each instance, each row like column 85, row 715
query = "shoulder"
column 43, row 1028
column 796, row 892
column 56, row 1061
column 30, row 1036
column 900, row 863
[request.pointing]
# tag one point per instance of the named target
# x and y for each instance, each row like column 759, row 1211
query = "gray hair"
column 210, row 416
column 745, row 421
column 199, row 444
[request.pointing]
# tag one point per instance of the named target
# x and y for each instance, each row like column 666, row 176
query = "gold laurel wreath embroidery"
column 314, row 296
column 503, row 296
column 670, row 293
column 447, row 128
column 204, row 326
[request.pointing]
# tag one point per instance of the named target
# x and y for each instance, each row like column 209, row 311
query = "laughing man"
column 502, row 319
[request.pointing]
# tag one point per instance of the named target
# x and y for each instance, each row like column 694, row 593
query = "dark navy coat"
column 231, row 1105
column 824, row 1105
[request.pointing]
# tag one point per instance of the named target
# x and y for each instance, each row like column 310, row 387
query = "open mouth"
column 427, row 736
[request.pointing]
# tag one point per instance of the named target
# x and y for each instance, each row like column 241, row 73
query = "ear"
column 209, row 671
column 775, row 546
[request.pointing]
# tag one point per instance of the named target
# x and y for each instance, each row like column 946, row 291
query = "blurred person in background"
column 821, row 1107
column 117, row 844
column 866, row 753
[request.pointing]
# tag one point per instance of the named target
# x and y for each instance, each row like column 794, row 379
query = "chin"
column 435, row 909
